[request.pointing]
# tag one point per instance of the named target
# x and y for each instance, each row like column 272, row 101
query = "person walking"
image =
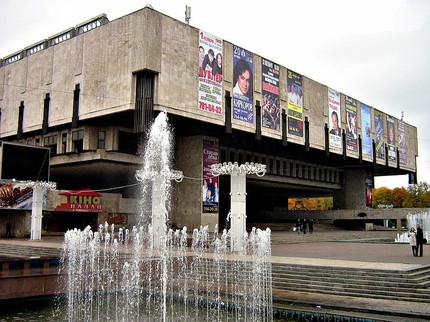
column 419, row 237
column 413, row 240
column 311, row 226
column 298, row 226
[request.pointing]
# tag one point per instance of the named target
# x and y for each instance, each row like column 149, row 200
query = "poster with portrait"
column 366, row 130
column 351, row 124
column 210, row 186
column 270, row 103
column 243, row 85
column 391, row 139
column 295, row 103
column 401, row 141
column 210, row 73
column 379, row 135
column 335, row 133
column 369, row 182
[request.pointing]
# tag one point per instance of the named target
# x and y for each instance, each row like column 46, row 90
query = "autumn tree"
column 382, row 196
column 418, row 196
column 399, row 195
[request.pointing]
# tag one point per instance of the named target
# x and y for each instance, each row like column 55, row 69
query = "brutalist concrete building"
column 90, row 93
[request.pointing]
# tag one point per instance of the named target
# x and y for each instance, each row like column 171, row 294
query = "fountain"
column 413, row 219
column 151, row 273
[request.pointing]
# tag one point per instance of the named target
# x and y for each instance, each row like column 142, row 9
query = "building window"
column 20, row 120
column 143, row 113
column 101, row 142
column 45, row 114
column 127, row 142
column 78, row 140
column 75, row 116
column 51, row 142
column 64, row 142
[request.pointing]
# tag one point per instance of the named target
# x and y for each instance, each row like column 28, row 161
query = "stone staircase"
column 25, row 252
column 410, row 285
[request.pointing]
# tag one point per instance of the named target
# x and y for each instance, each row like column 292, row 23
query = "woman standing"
column 413, row 240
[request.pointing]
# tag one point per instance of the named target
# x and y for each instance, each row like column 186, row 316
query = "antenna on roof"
column 187, row 14
column 403, row 114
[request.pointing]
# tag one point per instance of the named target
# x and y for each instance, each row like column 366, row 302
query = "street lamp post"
column 37, row 206
column 158, row 201
column 238, row 196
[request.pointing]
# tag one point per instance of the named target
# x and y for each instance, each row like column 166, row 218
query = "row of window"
column 51, row 141
column 285, row 167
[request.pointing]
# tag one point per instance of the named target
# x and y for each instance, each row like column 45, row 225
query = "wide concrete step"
column 9, row 250
column 410, row 285
column 374, row 293
column 392, row 280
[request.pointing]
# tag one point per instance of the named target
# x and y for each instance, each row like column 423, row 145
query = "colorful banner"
column 391, row 139
column 85, row 200
column 379, row 135
column 335, row 134
column 401, row 142
column 210, row 73
column 210, row 188
column 369, row 191
column 16, row 196
column 295, row 103
column 351, row 124
column 366, row 130
column 270, row 99
column 315, row 203
column 243, row 81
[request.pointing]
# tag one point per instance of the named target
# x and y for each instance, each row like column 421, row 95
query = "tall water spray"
column 423, row 219
column 152, row 273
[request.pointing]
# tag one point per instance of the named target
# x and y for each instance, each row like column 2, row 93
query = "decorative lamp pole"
column 158, row 201
column 238, row 196
column 37, row 206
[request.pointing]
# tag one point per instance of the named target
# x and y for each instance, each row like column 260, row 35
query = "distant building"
column 89, row 93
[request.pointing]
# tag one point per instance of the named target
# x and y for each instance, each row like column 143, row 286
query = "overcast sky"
column 377, row 51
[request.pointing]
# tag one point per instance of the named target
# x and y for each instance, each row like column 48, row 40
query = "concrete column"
column 36, row 213
column 158, row 212
column 238, row 210
column 399, row 224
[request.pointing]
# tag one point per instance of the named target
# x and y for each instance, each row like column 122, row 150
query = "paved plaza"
column 332, row 248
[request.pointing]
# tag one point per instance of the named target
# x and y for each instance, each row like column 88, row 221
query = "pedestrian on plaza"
column 419, row 237
column 311, row 226
column 8, row 230
column 298, row 226
column 305, row 225
column 413, row 240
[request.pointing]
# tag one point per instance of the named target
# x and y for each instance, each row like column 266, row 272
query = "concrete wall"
column 104, row 60
column 187, row 195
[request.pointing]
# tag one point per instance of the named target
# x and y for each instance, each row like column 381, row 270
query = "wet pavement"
column 337, row 248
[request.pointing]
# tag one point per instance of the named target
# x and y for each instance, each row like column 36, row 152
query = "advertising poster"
column 210, row 187
column 295, row 103
column 210, row 73
column 366, row 130
column 402, row 142
column 85, row 200
column 243, row 85
column 16, row 196
column 335, row 133
column 369, row 191
column 270, row 95
column 351, row 124
column 391, row 139
column 379, row 135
